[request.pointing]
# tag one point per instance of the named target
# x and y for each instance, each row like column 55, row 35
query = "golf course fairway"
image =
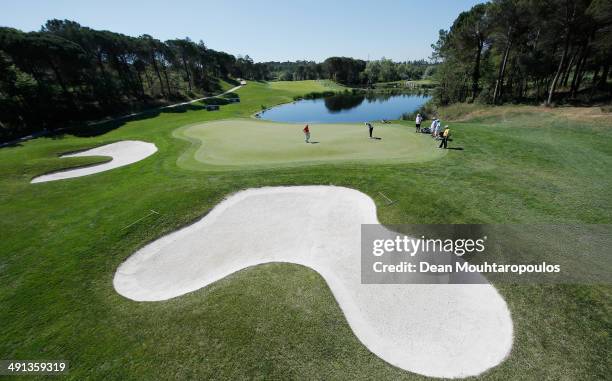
column 242, row 142
column 63, row 241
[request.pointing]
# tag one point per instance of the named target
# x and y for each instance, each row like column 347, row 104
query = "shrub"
column 428, row 110
column 215, row 101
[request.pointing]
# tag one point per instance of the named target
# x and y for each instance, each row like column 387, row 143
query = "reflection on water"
column 347, row 108
column 338, row 103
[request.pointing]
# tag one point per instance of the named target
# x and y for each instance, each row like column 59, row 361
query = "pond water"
column 346, row 108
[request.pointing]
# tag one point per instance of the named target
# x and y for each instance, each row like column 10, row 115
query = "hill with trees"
column 527, row 50
column 68, row 73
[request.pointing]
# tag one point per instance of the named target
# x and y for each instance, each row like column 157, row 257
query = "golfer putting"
column 370, row 128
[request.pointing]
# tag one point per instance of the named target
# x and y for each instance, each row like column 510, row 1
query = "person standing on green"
column 445, row 136
column 370, row 128
column 307, row 134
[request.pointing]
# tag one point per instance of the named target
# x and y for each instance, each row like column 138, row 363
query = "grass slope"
column 62, row 241
column 243, row 143
column 306, row 86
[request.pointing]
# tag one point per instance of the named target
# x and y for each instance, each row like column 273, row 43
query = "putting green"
column 243, row 142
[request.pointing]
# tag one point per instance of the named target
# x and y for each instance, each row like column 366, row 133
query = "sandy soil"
column 123, row 153
column 439, row 330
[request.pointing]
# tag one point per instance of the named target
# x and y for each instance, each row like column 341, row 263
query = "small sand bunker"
column 123, row 153
column 438, row 330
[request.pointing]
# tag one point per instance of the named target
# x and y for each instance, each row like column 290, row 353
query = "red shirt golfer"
column 307, row 134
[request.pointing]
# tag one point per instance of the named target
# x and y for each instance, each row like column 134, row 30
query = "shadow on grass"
column 11, row 145
column 83, row 129
column 101, row 128
column 104, row 127
column 231, row 96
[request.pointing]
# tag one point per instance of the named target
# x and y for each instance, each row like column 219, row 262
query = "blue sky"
column 265, row 29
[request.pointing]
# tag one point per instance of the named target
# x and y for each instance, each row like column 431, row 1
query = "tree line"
column 68, row 73
column 350, row 71
column 526, row 50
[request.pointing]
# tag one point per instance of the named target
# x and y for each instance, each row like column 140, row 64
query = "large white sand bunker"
column 438, row 330
column 123, row 153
